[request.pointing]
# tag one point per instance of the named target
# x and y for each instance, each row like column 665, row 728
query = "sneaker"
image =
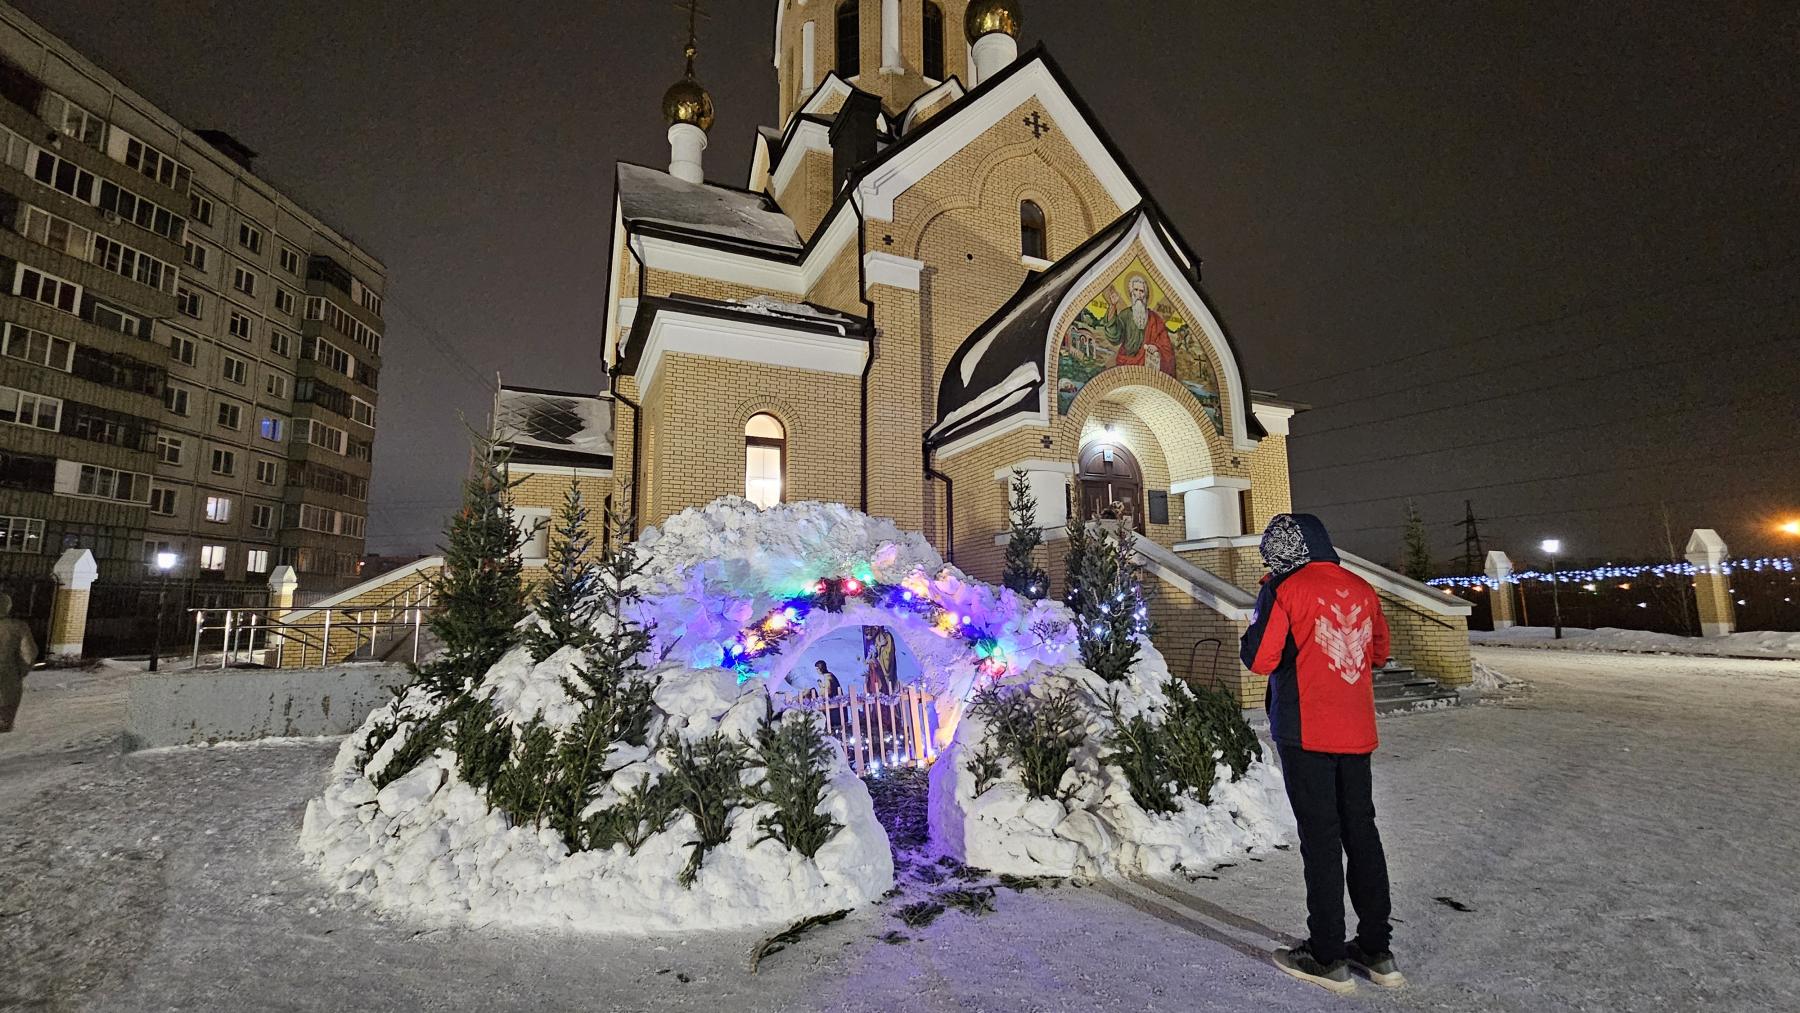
column 1299, row 962
column 1380, row 967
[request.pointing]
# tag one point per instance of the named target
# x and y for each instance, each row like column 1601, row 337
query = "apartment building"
column 188, row 358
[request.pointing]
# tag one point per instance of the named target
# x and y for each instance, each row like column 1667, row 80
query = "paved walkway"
column 1621, row 837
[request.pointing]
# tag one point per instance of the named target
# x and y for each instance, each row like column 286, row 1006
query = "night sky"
column 1540, row 256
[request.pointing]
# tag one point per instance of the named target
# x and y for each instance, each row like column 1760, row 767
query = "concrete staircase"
column 1400, row 687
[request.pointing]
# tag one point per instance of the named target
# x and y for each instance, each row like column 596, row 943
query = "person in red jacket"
column 1318, row 634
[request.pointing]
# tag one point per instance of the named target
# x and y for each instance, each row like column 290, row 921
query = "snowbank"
column 1759, row 644
column 429, row 846
column 1097, row 829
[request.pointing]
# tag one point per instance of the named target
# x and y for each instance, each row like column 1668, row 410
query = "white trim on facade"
column 1274, row 418
column 808, row 136
column 898, row 174
column 565, row 470
column 892, row 270
column 663, row 254
column 948, row 450
column 1208, row 482
column 1404, row 587
column 676, row 332
column 1004, row 472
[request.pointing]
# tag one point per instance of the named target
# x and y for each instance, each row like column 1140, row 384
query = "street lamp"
column 165, row 561
column 1789, row 527
column 1551, row 547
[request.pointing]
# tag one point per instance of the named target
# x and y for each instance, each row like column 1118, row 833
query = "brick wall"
column 1434, row 644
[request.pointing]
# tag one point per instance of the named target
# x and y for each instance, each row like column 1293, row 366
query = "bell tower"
column 896, row 49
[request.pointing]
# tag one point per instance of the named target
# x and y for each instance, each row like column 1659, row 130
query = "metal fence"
column 127, row 617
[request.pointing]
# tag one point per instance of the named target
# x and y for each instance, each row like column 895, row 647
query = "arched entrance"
column 863, row 682
column 1111, row 482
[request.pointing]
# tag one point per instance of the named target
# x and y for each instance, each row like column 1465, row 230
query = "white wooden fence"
column 878, row 729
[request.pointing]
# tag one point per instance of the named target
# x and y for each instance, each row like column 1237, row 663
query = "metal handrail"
column 248, row 632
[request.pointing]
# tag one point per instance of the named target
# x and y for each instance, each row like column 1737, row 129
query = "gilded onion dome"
column 986, row 17
column 686, row 101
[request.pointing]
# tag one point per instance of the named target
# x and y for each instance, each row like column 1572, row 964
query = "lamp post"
column 165, row 561
column 1551, row 547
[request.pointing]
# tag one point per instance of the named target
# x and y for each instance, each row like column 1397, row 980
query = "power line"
column 1584, row 378
column 1698, row 405
column 1707, row 282
column 445, row 349
column 1665, row 462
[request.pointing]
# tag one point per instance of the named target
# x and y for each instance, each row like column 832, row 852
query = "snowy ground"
column 1622, row 834
column 1755, row 644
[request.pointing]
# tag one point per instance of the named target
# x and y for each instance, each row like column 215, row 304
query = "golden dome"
column 986, row 17
column 687, row 102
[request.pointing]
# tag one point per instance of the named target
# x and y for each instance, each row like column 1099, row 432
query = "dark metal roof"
column 816, row 319
column 653, row 200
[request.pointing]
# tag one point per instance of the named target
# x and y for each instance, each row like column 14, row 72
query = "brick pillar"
column 282, row 584
column 1712, row 583
column 1501, row 588
column 74, row 573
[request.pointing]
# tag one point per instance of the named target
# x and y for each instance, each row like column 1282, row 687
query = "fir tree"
column 1106, row 596
column 565, row 602
column 1022, row 574
column 481, row 591
column 1416, row 562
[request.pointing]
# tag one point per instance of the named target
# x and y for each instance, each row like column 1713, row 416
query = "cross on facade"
column 694, row 14
column 1038, row 127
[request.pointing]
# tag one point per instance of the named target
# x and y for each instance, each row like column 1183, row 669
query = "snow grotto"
column 676, row 768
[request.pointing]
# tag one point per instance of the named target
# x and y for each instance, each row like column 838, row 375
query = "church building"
column 935, row 270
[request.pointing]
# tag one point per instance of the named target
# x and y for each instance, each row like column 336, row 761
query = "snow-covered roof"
column 554, row 427
column 651, row 197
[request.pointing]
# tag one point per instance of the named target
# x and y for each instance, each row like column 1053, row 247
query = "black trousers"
column 1333, row 799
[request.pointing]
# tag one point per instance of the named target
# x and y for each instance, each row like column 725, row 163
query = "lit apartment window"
column 200, row 209
column 36, row 346
column 244, row 281
column 256, row 560
column 169, row 448
column 271, row 428
column 230, row 416
column 240, row 326
column 250, row 237
column 224, row 462
column 21, row 534
column 290, row 260
column 162, row 501
column 35, row 411
column 212, row 557
column 265, row 471
column 236, row 370
column 218, row 509
column 47, row 289
column 175, row 399
column 73, row 120
column 59, row 234
column 182, row 349
column 765, row 450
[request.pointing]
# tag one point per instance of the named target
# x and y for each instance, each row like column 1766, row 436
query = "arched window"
column 1033, row 236
column 932, row 65
column 849, row 38
column 765, row 459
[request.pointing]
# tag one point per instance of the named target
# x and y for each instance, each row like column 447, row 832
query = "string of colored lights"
column 1603, row 574
column 787, row 620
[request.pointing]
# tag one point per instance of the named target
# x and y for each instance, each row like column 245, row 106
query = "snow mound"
column 1757, row 644
column 1488, row 679
column 1098, row 829
column 427, row 845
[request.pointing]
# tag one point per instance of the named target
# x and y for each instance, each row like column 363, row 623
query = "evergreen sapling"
column 1107, row 597
column 565, row 601
column 1022, row 574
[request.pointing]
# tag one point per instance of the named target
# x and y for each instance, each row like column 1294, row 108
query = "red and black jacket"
column 1318, row 634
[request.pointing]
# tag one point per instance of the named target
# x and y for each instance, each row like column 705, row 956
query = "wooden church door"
column 1108, row 474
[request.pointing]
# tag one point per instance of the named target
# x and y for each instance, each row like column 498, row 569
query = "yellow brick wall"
column 68, row 617
column 703, row 403
column 1436, row 645
column 1179, row 624
column 1270, row 491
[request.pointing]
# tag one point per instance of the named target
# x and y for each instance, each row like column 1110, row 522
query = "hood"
column 1294, row 540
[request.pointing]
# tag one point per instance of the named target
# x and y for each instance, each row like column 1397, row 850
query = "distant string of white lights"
column 1609, row 573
